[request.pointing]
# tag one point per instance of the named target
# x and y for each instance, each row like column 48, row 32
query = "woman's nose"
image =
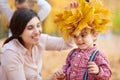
column 38, row 30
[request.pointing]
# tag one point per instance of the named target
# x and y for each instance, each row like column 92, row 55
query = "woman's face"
column 32, row 31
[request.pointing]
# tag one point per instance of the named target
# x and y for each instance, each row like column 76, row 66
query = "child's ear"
column 95, row 35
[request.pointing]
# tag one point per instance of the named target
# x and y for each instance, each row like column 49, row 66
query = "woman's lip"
column 36, row 38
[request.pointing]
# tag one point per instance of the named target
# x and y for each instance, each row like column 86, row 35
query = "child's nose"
column 79, row 38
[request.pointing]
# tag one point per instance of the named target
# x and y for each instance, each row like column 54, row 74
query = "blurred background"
column 109, row 42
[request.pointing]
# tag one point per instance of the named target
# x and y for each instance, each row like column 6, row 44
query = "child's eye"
column 75, row 36
column 83, row 35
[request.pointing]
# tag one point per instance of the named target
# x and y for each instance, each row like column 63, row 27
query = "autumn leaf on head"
column 92, row 13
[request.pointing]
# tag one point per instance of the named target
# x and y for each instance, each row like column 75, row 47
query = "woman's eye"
column 38, row 25
column 30, row 27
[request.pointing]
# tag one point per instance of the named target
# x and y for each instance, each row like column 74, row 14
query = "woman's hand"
column 73, row 4
column 59, row 75
column 93, row 68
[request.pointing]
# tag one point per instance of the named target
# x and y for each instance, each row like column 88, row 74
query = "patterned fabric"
column 76, row 66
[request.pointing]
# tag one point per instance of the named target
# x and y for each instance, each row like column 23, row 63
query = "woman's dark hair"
column 19, row 21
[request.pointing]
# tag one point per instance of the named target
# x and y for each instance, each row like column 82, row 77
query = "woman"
column 21, row 53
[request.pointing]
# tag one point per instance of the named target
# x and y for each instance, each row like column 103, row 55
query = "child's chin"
column 82, row 48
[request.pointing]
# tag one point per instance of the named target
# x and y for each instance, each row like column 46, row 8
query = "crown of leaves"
column 93, row 14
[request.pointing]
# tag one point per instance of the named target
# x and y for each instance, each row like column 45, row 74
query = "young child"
column 84, row 24
column 44, row 8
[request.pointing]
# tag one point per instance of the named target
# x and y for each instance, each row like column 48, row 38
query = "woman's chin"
column 36, row 42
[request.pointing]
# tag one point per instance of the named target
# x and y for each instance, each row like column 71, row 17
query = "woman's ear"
column 19, row 35
column 16, row 3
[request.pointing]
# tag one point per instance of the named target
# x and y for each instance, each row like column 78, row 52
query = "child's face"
column 85, row 39
column 23, row 5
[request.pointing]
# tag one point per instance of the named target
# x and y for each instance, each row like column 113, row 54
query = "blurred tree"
column 49, row 26
column 4, row 22
column 3, row 26
column 116, row 22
